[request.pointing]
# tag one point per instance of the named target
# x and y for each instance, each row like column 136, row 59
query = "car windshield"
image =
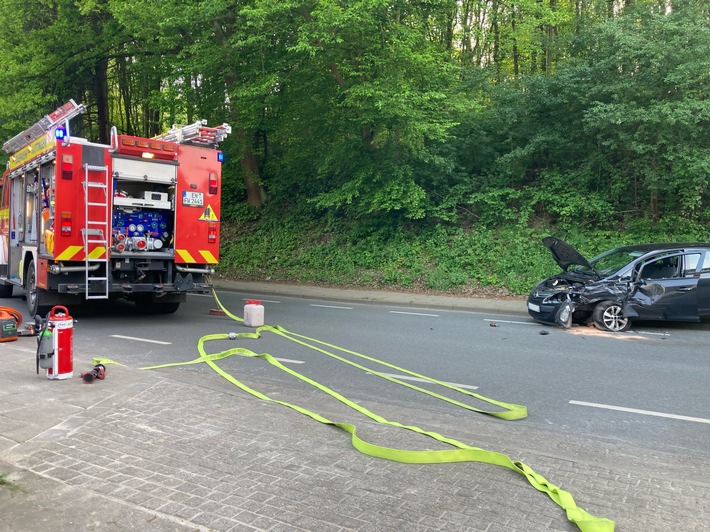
column 609, row 262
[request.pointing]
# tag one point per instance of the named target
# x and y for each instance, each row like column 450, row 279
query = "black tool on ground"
column 99, row 372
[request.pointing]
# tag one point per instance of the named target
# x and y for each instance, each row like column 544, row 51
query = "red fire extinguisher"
column 55, row 345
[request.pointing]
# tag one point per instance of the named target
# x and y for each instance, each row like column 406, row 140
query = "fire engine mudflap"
column 137, row 219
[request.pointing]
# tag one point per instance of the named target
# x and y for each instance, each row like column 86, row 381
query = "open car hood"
column 564, row 254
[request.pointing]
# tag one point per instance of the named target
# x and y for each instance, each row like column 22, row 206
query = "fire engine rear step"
column 97, row 232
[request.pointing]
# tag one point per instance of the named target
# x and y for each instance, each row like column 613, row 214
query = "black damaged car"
column 668, row 281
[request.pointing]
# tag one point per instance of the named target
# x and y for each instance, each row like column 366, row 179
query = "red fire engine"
column 138, row 219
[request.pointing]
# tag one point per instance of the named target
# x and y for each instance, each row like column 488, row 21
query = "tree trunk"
column 653, row 205
column 101, row 92
column 250, row 168
column 516, row 53
column 124, row 91
column 551, row 35
column 496, row 40
column 249, row 160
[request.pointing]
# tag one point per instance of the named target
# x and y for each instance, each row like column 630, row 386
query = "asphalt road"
column 646, row 388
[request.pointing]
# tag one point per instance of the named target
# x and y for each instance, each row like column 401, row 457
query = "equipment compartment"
column 142, row 195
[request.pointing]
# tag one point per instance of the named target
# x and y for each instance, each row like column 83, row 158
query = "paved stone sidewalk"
column 154, row 451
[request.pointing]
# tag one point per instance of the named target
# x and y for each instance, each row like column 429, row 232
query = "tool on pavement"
column 99, row 372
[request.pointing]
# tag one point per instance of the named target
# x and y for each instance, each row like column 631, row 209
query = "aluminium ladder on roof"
column 198, row 133
column 97, row 231
column 62, row 114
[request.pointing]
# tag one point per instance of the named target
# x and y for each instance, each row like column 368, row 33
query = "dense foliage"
column 398, row 142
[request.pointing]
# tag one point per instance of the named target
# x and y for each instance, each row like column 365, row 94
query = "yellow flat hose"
column 462, row 452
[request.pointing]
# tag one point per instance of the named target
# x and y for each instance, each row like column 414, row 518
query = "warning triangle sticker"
column 208, row 215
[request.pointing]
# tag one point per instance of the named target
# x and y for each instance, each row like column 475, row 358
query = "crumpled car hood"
column 564, row 254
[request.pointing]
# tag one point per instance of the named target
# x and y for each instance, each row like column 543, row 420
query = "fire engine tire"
column 35, row 296
column 168, row 308
column 5, row 290
column 152, row 307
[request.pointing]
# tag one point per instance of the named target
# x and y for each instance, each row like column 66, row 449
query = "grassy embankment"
column 499, row 262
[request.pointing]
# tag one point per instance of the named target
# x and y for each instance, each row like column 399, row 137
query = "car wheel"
column 609, row 316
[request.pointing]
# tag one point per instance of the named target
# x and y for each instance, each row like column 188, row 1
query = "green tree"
column 622, row 130
column 370, row 89
column 649, row 110
column 52, row 51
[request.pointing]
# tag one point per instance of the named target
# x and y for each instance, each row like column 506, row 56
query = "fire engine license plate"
column 195, row 199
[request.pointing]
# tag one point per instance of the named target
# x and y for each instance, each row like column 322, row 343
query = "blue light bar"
column 220, row 156
column 59, row 133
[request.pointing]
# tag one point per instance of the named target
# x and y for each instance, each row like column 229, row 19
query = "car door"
column 704, row 286
column 667, row 288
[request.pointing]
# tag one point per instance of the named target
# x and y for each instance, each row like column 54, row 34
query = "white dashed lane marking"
column 509, row 321
column 414, row 313
column 140, row 339
column 643, row 412
column 417, row 379
column 290, row 361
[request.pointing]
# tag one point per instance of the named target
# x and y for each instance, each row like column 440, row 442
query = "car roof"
column 665, row 246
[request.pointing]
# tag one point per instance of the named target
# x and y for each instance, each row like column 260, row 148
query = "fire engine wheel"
column 35, row 296
column 154, row 307
column 167, row 308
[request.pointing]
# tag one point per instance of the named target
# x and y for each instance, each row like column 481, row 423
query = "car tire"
column 609, row 316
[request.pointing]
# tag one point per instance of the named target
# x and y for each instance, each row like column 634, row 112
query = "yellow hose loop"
column 462, row 452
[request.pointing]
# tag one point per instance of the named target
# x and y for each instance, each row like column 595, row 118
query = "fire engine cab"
column 137, row 219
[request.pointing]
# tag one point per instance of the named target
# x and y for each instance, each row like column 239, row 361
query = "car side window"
column 706, row 263
column 649, row 270
column 690, row 264
column 665, row 268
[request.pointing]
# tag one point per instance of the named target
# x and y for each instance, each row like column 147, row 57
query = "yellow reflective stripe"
column 185, row 255
column 207, row 255
column 69, row 253
column 97, row 252
column 32, row 151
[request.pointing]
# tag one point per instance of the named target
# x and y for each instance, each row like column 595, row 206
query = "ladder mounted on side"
column 62, row 114
column 97, row 232
column 198, row 133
